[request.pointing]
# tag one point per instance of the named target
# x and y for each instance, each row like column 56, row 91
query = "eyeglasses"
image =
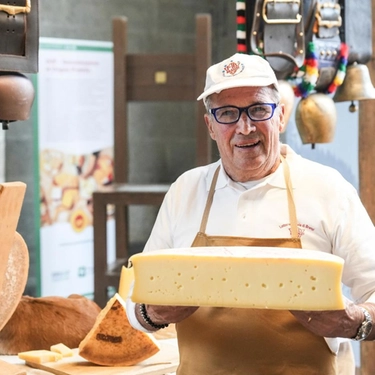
column 230, row 114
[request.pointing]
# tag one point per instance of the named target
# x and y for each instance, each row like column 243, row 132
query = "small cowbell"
column 16, row 98
column 356, row 86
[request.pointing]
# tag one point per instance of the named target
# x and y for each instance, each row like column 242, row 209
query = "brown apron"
column 211, row 342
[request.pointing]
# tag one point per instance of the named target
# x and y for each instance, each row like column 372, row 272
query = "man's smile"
column 247, row 145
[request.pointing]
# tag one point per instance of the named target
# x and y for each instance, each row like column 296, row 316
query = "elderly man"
column 261, row 193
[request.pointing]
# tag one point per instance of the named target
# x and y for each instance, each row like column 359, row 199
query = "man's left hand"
column 335, row 323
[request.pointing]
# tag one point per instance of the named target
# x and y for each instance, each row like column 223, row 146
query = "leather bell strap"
column 278, row 33
column 13, row 23
column 327, row 41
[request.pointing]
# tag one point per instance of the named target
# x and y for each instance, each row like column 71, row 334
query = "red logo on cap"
column 232, row 69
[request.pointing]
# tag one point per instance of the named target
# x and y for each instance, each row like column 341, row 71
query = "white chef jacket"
column 330, row 215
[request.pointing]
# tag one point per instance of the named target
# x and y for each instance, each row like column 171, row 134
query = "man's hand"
column 165, row 314
column 335, row 323
column 169, row 314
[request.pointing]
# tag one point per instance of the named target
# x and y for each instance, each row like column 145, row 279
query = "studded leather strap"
column 19, row 36
column 326, row 39
column 278, row 34
column 13, row 21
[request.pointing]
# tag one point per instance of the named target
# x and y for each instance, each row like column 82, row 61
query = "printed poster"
column 74, row 131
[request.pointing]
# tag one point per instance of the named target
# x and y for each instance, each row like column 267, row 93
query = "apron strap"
column 210, row 198
column 291, row 204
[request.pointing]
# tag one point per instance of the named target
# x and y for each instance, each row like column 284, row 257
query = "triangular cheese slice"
column 113, row 341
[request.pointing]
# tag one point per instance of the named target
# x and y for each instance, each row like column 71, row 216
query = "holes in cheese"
column 40, row 356
column 256, row 277
column 62, row 349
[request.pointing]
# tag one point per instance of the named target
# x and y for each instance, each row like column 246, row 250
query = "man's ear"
column 282, row 123
column 208, row 121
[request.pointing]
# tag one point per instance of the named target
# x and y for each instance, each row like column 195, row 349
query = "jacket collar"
column 275, row 179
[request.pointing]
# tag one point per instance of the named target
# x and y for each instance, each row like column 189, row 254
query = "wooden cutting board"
column 10, row 369
column 163, row 362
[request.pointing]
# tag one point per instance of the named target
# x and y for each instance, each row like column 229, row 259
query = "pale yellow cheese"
column 40, row 356
column 62, row 349
column 251, row 277
column 126, row 280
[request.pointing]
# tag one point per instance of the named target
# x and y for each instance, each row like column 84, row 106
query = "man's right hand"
column 164, row 314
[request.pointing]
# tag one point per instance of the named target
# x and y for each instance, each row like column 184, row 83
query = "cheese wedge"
column 62, row 349
column 249, row 277
column 40, row 356
column 113, row 341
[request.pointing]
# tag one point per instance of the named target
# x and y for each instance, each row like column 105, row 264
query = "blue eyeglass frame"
column 243, row 109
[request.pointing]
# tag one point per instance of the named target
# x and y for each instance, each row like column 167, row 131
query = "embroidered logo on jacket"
column 300, row 227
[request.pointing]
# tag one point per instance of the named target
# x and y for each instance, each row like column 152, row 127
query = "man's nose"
column 244, row 124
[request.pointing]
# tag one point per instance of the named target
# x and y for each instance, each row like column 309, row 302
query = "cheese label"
column 248, row 277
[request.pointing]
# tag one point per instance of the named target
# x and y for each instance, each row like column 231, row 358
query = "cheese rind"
column 248, row 277
column 14, row 260
column 126, row 280
column 62, row 349
column 39, row 356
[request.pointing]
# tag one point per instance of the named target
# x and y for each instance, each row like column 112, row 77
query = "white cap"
column 240, row 70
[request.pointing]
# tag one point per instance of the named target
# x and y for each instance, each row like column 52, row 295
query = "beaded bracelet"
column 147, row 319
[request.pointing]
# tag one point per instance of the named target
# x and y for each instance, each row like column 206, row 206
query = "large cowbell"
column 19, row 46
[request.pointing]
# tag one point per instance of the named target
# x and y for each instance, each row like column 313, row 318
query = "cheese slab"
column 62, row 349
column 40, row 356
column 113, row 341
column 245, row 277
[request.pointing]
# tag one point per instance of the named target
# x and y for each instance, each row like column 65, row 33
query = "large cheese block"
column 11, row 199
column 15, row 280
column 113, row 341
column 14, row 260
column 248, row 277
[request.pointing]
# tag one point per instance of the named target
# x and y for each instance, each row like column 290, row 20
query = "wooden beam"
column 121, row 153
column 366, row 157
